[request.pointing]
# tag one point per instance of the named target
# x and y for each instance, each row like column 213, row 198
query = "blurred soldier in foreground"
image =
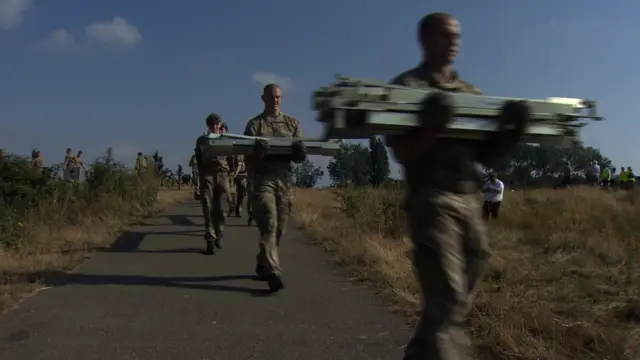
column 214, row 186
column 271, row 182
column 450, row 249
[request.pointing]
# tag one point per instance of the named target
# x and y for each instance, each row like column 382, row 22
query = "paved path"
column 153, row 295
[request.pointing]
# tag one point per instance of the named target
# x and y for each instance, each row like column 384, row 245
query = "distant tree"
column 350, row 166
column 533, row 165
column 306, row 174
column 378, row 162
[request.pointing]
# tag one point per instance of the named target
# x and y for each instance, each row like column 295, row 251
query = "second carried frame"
column 353, row 108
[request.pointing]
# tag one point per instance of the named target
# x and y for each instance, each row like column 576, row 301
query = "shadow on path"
column 59, row 278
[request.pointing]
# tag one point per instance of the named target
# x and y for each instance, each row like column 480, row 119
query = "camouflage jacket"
column 281, row 126
column 207, row 161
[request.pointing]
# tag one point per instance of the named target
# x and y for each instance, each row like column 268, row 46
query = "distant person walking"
column 141, row 163
column 78, row 166
column 613, row 183
column 493, row 193
column 606, row 178
column 594, row 174
column 37, row 162
column 566, row 175
column 631, row 179
column 622, row 178
column 67, row 166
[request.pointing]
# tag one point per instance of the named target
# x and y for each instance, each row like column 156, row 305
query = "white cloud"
column 265, row 78
column 60, row 40
column 116, row 32
column 12, row 12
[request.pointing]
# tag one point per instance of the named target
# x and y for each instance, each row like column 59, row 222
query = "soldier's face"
column 272, row 98
column 442, row 44
column 214, row 128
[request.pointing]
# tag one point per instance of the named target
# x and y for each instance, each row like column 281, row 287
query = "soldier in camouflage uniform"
column 271, row 182
column 214, row 186
column 231, row 162
column 249, row 197
column 240, row 182
column 450, row 249
column 195, row 178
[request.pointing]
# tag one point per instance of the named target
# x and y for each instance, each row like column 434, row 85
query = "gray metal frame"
column 355, row 108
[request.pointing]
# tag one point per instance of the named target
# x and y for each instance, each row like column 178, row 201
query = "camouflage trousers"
column 196, row 182
column 270, row 199
column 241, row 192
column 214, row 197
column 450, row 253
column 232, row 193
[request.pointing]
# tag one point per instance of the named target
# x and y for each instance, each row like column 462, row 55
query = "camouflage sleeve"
column 249, row 129
column 297, row 132
column 398, row 80
column 198, row 151
column 471, row 89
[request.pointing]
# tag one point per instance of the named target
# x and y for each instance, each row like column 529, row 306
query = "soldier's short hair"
column 430, row 21
column 212, row 118
column 224, row 126
column 270, row 87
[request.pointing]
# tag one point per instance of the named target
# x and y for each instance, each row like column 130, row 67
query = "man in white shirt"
column 594, row 174
column 493, row 192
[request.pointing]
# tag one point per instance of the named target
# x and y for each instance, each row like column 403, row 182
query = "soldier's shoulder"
column 291, row 119
column 404, row 78
column 470, row 88
column 254, row 119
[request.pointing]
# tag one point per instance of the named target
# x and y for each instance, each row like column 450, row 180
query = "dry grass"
column 564, row 276
column 53, row 248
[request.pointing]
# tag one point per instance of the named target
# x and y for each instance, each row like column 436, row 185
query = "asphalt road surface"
column 154, row 295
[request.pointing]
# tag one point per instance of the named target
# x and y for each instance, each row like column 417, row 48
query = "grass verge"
column 563, row 278
column 47, row 225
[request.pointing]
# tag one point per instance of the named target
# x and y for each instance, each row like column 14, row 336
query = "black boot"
column 219, row 241
column 261, row 273
column 210, row 249
column 275, row 283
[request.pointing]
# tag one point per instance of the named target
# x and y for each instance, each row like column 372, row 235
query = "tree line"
column 530, row 166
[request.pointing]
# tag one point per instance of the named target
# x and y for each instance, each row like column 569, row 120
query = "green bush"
column 367, row 206
column 29, row 199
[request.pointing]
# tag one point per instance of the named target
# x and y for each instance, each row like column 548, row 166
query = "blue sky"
column 142, row 75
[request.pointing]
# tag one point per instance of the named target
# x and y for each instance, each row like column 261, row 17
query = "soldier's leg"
column 207, row 184
column 249, row 203
column 437, row 232
column 196, row 184
column 284, row 200
column 241, row 190
column 476, row 244
column 264, row 209
column 220, row 208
